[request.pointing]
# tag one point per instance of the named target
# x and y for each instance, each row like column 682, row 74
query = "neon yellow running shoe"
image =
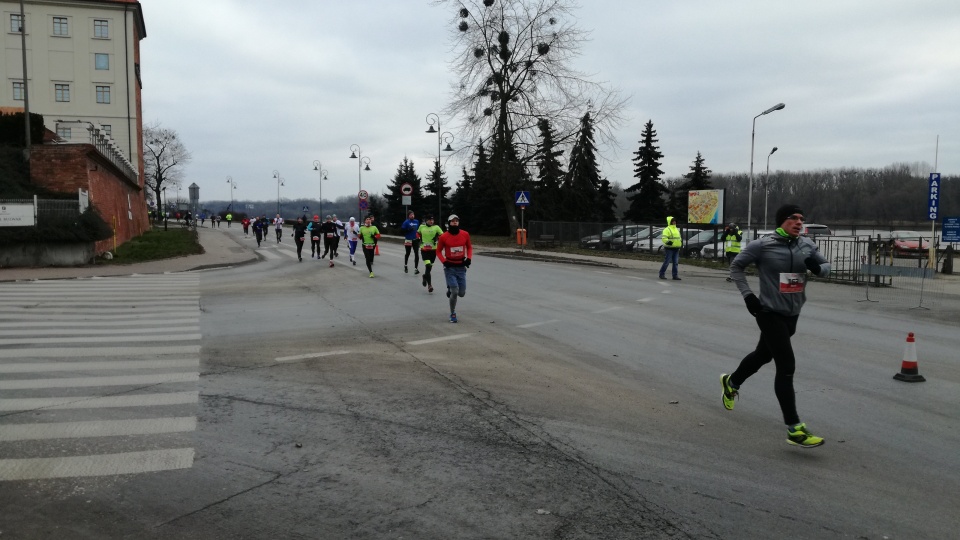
column 801, row 436
column 729, row 393
column 371, row 274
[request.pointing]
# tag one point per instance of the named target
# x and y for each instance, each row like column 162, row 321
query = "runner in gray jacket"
column 782, row 261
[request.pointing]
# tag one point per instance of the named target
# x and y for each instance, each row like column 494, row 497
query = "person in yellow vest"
column 229, row 219
column 672, row 242
column 731, row 242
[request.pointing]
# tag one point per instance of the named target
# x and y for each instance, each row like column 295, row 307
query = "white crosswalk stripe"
column 114, row 359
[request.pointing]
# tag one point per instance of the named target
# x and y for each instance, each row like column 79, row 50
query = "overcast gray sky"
column 253, row 86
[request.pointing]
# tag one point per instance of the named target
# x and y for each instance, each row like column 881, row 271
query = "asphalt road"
column 570, row 401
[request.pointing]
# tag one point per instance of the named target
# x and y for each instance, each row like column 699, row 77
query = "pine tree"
column 605, row 202
column 430, row 187
column 394, row 199
column 547, row 193
column 582, row 183
column 697, row 179
column 647, row 204
column 485, row 203
column 460, row 201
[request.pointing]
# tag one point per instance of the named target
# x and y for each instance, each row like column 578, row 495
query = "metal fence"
column 47, row 208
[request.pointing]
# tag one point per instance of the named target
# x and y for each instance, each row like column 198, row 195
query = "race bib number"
column 427, row 247
column 369, row 246
column 791, row 283
column 329, row 235
column 408, row 242
column 457, row 250
column 316, row 238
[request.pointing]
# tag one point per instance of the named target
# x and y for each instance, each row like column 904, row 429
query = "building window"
column 62, row 92
column 63, row 132
column 60, row 27
column 103, row 94
column 102, row 60
column 107, row 129
column 101, row 29
column 18, row 90
column 15, row 23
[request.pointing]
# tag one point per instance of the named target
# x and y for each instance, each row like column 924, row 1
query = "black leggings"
column 428, row 262
column 368, row 253
column 414, row 247
column 774, row 344
column 328, row 247
column 314, row 247
column 299, row 242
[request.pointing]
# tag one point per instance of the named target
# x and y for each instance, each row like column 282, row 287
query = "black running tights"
column 774, row 344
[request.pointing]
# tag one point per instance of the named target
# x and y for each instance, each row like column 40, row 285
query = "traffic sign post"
column 522, row 199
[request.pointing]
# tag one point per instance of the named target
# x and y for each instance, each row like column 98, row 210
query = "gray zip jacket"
column 777, row 257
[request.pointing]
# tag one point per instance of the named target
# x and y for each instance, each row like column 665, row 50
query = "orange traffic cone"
column 376, row 249
column 908, row 370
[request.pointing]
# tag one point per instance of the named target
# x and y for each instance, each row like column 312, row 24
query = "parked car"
column 693, row 246
column 708, row 251
column 908, row 244
column 627, row 243
column 656, row 244
column 815, row 229
column 604, row 239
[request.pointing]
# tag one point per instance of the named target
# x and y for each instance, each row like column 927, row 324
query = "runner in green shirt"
column 369, row 235
column 428, row 234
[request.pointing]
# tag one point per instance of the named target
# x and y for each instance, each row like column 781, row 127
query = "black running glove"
column 446, row 264
column 753, row 304
column 466, row 262
column 812, row 265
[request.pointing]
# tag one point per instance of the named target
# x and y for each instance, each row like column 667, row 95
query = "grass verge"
column 156, row 244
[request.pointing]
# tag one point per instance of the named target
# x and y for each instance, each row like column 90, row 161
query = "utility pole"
column 26, row 89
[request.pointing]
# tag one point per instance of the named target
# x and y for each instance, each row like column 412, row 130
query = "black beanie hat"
column 786, row 211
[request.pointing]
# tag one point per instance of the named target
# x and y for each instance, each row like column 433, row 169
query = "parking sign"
column 933, row 201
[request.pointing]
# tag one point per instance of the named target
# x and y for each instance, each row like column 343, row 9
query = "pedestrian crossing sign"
column 523, row 198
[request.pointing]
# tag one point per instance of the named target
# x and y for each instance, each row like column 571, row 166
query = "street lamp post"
column 434, row 120
column 753, row 134
column 766, row 188
column 363, row 164
column 317, row 166
column 164, row 213
column 232, row 187
column 276, row 175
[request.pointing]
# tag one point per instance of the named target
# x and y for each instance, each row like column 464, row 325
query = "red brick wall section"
column 67, row 168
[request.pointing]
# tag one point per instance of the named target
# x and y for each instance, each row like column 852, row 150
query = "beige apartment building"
column 83, row 68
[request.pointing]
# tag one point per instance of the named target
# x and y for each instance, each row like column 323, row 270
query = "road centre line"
column 82, row 382
column 608, row 310
column 98, row 402
column 96, row 465
column 602, row 272
column 644, row 300
column 536, row 324
column 438, row 339
column 96, row 428
column 73, row 352
column 101, row 339
column 96, row 366
column 309, row 356
column 637, row 277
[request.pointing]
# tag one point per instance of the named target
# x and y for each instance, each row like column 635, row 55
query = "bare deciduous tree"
column 513, row 67
column 164, row 158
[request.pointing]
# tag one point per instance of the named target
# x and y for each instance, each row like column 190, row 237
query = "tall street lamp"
column 753, row 134
column 276, row 175
column 317, row 166
column 434, row 120
column 363, row 164
column 233, row 186
column 766, row 188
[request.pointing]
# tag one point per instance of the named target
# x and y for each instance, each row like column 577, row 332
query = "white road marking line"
column 438, row 339
column 601, row 272
column 666, row 292
column 96, row 366
column 608, row 310
column 268, row 254
column 143, row 324
column 72, row 352
column 536, row 324
column 81, row 382
column 644, row 300
column 95, row 402
column 101, row 339
column 309, row 355
column 60, row 331
column 96, row 428
column 638, row 278
column 93, row 310
column 101, row 319
column 97, row 465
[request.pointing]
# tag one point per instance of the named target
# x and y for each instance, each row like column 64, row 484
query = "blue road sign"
column 951, row 229
column 933, row 201
column 522, row 198
column 364, row 204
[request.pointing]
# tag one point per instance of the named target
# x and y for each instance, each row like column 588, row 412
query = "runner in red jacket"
column 454, row 251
